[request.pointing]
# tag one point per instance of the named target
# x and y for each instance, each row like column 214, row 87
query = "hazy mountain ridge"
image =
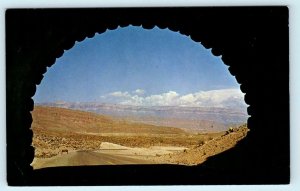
column 196, row 118
column 62, row 120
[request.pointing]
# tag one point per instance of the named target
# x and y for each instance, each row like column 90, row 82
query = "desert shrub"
column 201, row 142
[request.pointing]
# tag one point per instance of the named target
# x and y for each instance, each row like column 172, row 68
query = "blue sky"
column 120, row 64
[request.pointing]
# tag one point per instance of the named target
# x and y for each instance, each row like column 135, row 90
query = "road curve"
column 84, row 158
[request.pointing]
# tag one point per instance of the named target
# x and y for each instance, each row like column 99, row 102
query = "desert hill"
column 53, row 119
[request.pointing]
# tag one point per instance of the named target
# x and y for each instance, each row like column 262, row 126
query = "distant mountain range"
column 193, row 118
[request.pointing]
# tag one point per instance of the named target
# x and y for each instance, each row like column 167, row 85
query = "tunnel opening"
column 264, row 62
column 136, row 96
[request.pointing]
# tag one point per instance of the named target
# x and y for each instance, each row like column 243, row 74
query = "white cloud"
column 164, row 99
column 213, row 98
column 219, row 98
column 120, row 94
column 139, row 92
column 187, row 99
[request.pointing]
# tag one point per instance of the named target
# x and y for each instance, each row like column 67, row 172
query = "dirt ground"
column 198, row 154
column 107, row 154
column 185, row 149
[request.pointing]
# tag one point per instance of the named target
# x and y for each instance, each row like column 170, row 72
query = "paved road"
column 81, row 158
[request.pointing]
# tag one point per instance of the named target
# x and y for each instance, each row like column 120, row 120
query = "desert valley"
column 73, row 135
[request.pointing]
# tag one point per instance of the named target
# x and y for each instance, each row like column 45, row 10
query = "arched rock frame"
column 253, row 41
